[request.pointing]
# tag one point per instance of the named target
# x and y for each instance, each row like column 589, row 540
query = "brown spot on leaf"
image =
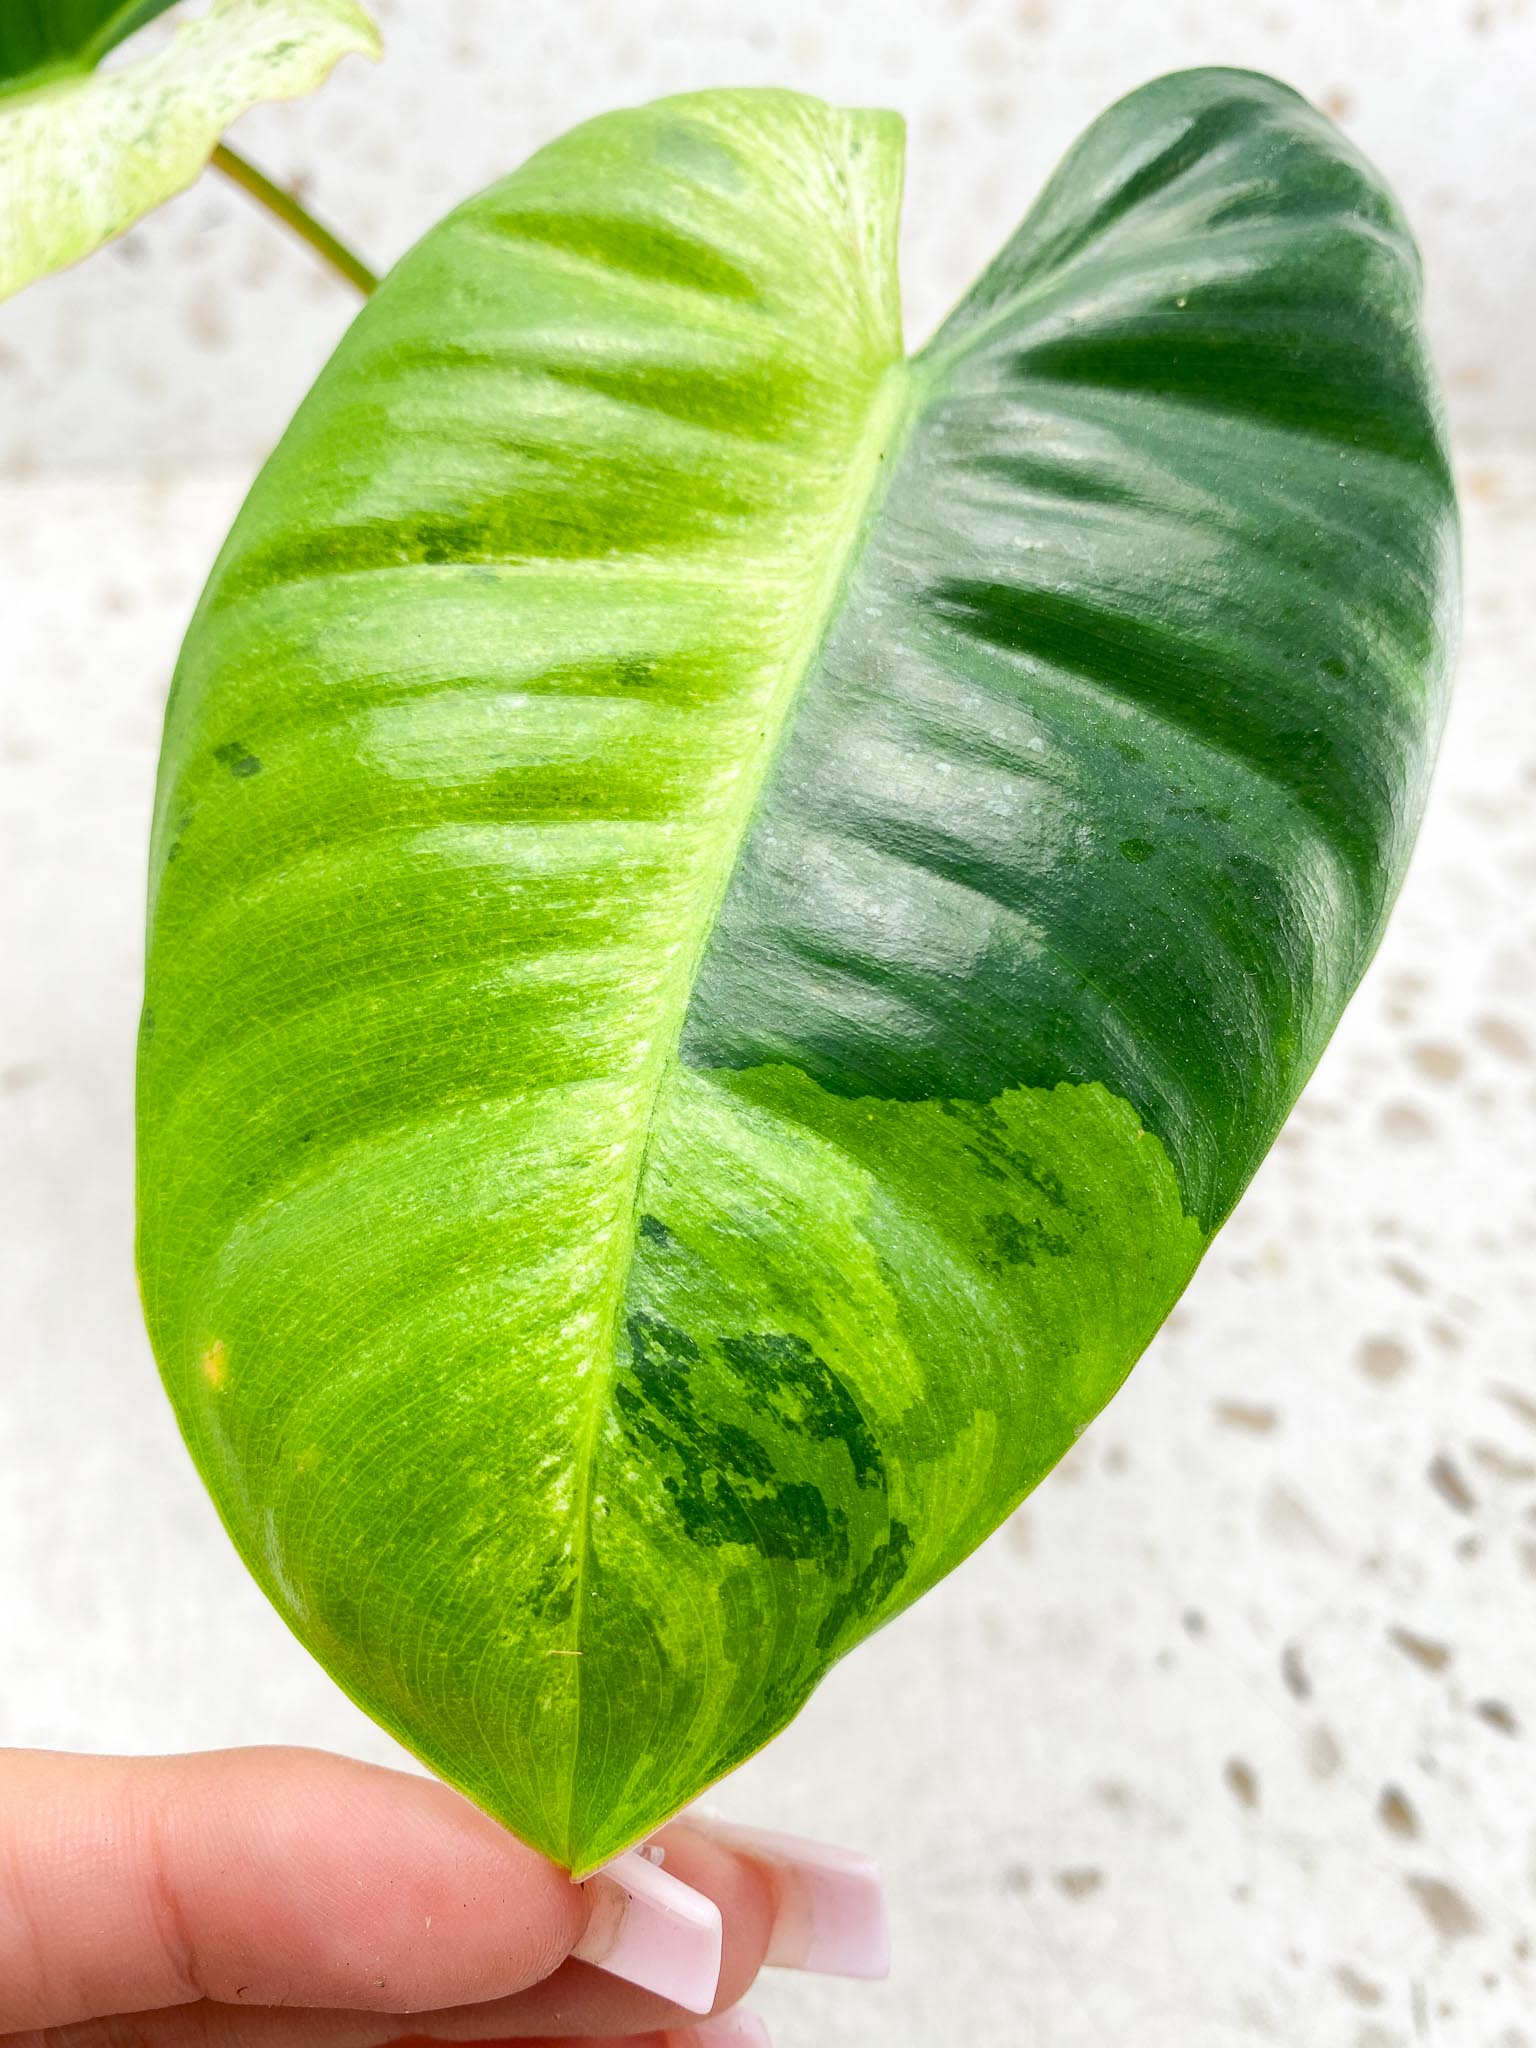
column 214, row 1364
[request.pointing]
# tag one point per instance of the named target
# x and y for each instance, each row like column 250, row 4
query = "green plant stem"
column 292, row 215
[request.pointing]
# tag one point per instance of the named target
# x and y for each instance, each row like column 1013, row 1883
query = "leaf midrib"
column 892, row 409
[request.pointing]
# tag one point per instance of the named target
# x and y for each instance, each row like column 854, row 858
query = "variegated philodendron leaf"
column 732, row 910
column 85, row 153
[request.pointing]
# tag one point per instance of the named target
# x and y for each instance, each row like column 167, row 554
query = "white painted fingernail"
column 652, row 1930
column 831, row 1907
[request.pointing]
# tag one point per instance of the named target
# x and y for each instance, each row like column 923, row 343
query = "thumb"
column 261, row 1877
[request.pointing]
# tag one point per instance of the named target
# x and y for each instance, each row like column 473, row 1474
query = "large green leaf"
column 84, row 154
column 730, row 912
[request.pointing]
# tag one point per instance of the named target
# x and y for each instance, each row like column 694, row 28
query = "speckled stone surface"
column 194, row 337
column 1228, row 1737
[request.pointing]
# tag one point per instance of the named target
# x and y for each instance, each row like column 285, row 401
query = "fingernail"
column 831, row 1906
column 654, row 1931
column 736, row 2029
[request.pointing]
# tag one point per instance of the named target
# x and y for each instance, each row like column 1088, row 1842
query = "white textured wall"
column 192, row 340
column 1226, row 1740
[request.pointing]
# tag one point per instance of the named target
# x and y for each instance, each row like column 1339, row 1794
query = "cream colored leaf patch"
column 83, row 158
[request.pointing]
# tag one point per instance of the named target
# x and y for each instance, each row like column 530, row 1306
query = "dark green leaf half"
column 730, row 911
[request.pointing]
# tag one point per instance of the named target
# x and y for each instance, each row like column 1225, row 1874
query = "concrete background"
column 1226, row 1739
column 194, row 337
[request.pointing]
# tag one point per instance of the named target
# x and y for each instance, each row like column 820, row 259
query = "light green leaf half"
column 730, row 910
column 85, row 153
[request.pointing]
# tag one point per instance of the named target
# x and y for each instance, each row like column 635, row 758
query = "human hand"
column 283, row 1898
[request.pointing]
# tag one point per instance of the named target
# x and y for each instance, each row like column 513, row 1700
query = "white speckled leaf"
column 84, row 157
